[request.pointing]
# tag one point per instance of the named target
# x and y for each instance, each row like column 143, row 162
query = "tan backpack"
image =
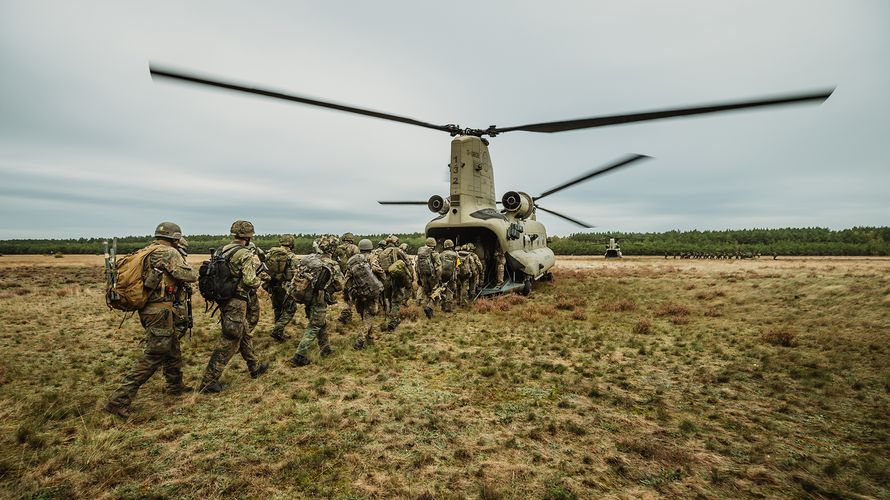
column 129, row 292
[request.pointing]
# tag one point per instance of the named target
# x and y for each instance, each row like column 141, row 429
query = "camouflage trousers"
column 425, row 291
column 317, row 330
column 393, row 293
column 449, row 294
column 462, row 291
column 366, row 308
column 283, row 308
column 161, row 350
column 239, row 318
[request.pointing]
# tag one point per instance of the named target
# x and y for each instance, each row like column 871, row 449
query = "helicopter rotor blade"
column 566, row 217
column 162, row 72
column 602, row 121
column 402, row 202
column 593, row 173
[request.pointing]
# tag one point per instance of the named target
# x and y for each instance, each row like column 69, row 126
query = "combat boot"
column 429, row 312
column 178, row 390
column 118, row 411
column 260, row 369
column 345, row 316
column 213, row 388
column 299, row 360
column 359, row 345
column 326, row 351
column 279, row 336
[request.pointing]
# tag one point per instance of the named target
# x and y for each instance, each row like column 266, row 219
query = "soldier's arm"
column 249, row 277
column 175, row 265
column 337, row 279
column 375, row 265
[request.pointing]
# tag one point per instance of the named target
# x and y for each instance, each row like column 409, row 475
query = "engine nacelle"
column 520, row 204
column 438, row 205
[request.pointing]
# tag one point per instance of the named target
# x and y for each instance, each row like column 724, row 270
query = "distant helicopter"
column 470, row 213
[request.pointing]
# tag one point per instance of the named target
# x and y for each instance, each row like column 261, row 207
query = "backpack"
column 216, row 281
column 449, row 264
column 425, row 261
column 399, row 273
column 364, row 284
column 307, row 280
column 388, row 257
column 463, row 265
column 129, row 292
column 277, row 263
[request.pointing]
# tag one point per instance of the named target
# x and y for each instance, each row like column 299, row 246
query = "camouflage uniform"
column 464, row 275
column 163, row 319
column 500, row 262
column 393, row 289
column 375, row 254
column 477, row 270
column 346, row 250
column 239, row 315
column 449, row 284
column 331, row 282
column 365, row 306
column 428, row 281
column 283, row 308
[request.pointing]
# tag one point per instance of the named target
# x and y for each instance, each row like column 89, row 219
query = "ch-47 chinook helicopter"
column 470, row 213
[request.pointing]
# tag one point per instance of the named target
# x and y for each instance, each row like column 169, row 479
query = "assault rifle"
column 111, row 270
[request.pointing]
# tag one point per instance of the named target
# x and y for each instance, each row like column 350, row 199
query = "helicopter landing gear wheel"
column 526, row 287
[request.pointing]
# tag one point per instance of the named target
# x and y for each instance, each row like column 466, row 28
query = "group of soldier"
column 371, row 280
column 738, row 255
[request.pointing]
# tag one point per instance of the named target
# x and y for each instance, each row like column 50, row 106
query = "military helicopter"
column 470, row 214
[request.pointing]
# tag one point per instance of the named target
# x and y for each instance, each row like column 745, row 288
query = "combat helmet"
column 286, row 240
column 381, row 243
column 448, row 244
column 328, row 243
column 168, row 231
column 348, row 238
column 365, row 245
column 431, row 242
column 392, row 239
column 471, row 247
column 242, row 229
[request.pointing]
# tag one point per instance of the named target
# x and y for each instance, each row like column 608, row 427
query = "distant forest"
column 789, row 241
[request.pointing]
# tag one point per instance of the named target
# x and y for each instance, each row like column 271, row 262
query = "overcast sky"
column 91, row 146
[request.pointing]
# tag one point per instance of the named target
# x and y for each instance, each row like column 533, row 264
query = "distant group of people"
column 738, row 254
column 372, row 280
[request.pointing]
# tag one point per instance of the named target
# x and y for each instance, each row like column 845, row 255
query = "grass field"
column 635, row 378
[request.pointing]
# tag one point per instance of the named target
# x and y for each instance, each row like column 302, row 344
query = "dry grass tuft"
column 621, row 305
column 579, row 315
column 672, row 309
column 783, row 337
column 642, row 327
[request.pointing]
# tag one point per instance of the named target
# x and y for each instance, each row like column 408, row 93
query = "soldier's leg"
column 173, row 367
column 234, row 326
column 345, row 315
column 317, row 321
column 253, row 311
column 158, row 335
column 283, row 315
column 277, row 296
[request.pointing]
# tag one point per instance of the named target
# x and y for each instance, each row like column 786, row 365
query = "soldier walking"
column 327, row 280
column 427, row 268
column 476, row 270
column 240, row 314
column 364, row 288
column 165, row 275
column 345, row 250
column 281, row 262
column 448, row 275
column 398, row 269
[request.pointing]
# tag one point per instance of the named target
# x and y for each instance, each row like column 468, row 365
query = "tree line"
column 863, row 241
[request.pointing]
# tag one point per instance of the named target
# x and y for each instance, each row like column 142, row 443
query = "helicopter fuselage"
column 471, row 215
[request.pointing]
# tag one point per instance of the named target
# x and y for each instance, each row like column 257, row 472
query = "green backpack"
column 278, row 263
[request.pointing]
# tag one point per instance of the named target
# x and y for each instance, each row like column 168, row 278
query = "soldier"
column 364, row 287
column 345, row 250
column 165, row 274
column 397, row 281
column 427, row 268
column 327, row 280
column 500, row 262
column 477, row 270
column 448, row 275
column 464, row 276
column 281, row 262
column 238, row 315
